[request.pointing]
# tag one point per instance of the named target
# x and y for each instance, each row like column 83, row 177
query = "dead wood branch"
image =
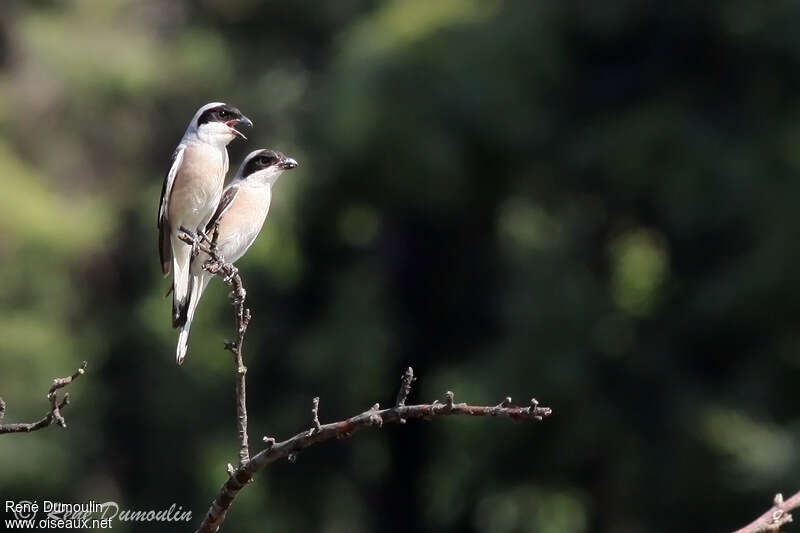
column 53, row 415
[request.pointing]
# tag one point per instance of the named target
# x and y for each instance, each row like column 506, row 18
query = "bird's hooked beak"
column 241, row 120
column 288, row 164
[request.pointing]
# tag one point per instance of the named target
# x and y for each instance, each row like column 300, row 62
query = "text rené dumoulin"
column 109, row 510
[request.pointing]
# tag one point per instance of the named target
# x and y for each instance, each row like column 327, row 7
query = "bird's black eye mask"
column 263, row 160
column 222, row 113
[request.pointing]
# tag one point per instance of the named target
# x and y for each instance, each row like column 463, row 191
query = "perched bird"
column 192, row 191
column 241, row 214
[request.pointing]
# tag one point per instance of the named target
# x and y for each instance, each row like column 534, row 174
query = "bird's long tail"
column 198, row 284
column 181, row 261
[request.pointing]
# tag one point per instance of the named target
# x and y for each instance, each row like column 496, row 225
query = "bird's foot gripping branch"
column 229, row 274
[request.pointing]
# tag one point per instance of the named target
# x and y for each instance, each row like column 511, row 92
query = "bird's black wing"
column 224, row 204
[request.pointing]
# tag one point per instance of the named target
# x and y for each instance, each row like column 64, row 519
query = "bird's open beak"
column 288, row 163
column 241, row 120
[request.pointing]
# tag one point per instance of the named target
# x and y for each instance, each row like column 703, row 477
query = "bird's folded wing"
column 164, row 248
column 228, row 196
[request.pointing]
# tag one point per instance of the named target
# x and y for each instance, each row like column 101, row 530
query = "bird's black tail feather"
column 180, row 308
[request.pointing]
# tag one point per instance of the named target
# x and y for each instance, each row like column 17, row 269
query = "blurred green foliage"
column 594, row 202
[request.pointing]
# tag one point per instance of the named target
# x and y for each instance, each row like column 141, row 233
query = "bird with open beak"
column 192, row 191
column 241, row 214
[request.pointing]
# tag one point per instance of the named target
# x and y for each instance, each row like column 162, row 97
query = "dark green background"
column 591, row 202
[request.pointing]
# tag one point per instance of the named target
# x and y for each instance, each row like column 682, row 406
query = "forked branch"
column 373, row 417
column 318, row 433
column 56, row 405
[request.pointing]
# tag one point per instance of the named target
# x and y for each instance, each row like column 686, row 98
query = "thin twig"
column 229, row 274
column 775, row 517
column 53, row 415
column 405, row 386
column 373, row 417
column 315, row 414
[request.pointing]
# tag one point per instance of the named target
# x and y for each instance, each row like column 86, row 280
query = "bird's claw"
column 196, row 239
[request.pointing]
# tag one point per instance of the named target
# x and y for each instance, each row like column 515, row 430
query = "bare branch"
column 318, row 433
column 229, row 274
column 775, row 517
column 53, row 415
column 373, row 417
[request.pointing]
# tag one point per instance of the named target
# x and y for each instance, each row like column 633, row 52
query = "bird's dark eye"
column 265, row 161
column 223, row 113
